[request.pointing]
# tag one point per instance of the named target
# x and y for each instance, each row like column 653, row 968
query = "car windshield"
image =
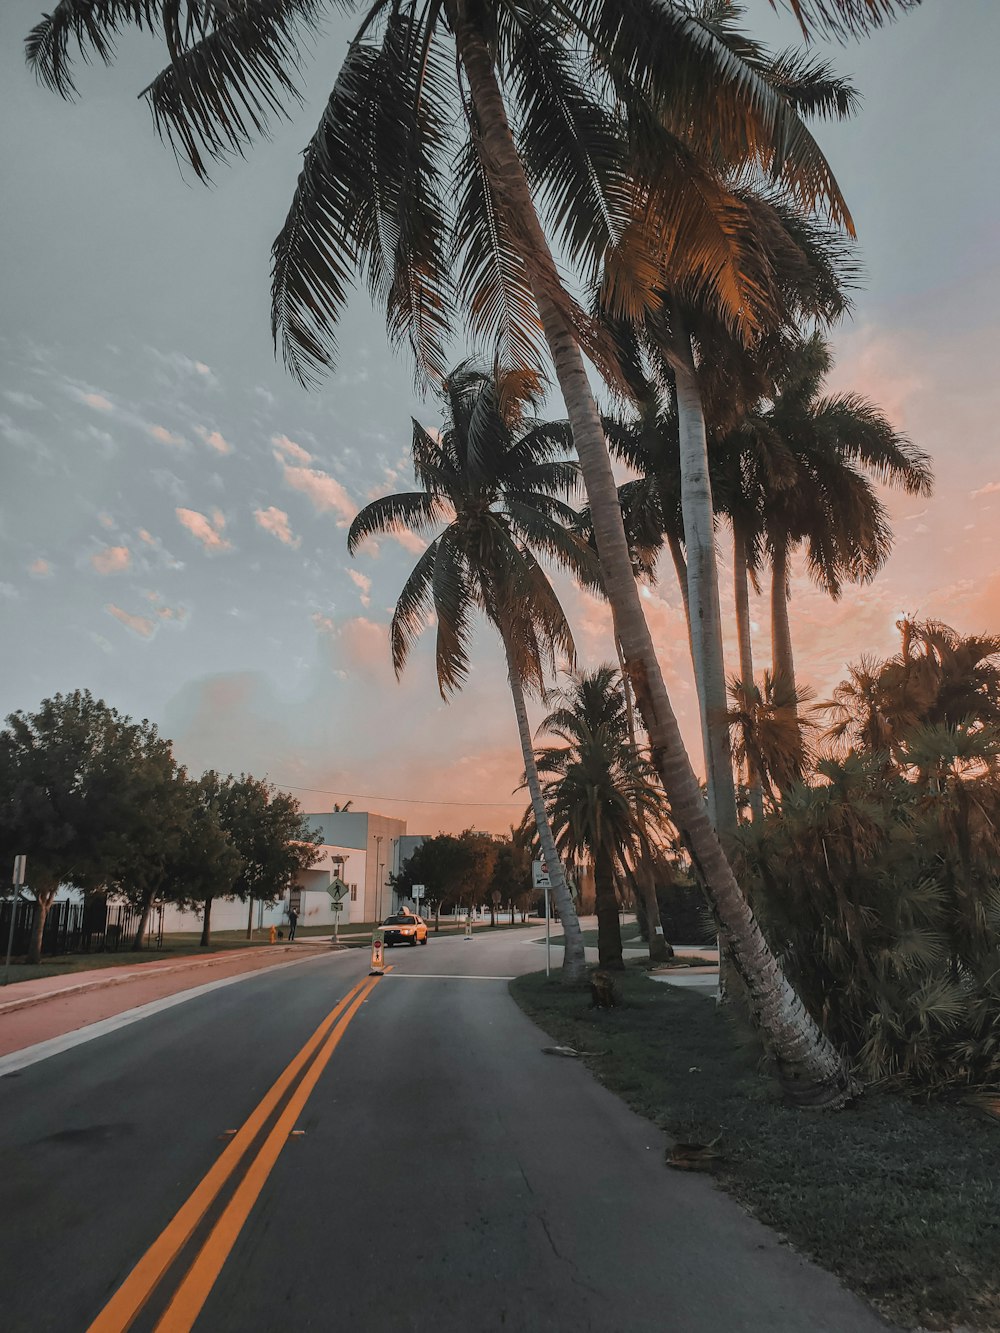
column 400, row 920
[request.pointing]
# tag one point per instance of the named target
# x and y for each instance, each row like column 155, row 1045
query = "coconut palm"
column 602, row 794
column 492, row 483
column 393, row 185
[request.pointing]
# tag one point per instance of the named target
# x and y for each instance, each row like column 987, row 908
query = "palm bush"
column 878, row 882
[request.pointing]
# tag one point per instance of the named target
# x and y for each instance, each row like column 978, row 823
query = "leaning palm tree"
column 492, row 483
column 389, row 194
column 602, row 794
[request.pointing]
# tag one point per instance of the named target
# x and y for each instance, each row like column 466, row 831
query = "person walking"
column 293, row 917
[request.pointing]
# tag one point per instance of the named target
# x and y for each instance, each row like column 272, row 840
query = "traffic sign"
column 540, row 875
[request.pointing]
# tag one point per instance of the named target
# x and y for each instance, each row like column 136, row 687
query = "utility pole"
column 378, row 883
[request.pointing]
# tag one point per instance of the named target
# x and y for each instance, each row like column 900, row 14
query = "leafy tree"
column 394, row 186
column 80, row 785
column 269, row 833
column 455, row 870
column 493, row 487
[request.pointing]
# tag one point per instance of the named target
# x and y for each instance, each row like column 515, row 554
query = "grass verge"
column 901, row 1200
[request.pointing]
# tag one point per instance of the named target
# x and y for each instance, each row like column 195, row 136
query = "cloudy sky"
column 173, row 507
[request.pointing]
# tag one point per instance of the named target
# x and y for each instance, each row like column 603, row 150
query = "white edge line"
column 42, row 1050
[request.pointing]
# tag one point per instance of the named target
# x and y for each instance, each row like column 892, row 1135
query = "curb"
column 12, row 1006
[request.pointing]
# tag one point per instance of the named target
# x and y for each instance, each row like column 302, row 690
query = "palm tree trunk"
column 660, row 949
column 574, row 959
column 782, row 662
column 681, row 570
column 741, row 590
column 811, row 1070
column 609, row 926
column 705, row 616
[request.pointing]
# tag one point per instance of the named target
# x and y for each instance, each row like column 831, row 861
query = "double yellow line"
column 186, row 1304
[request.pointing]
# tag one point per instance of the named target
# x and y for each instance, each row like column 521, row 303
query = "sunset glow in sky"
column 173, row 508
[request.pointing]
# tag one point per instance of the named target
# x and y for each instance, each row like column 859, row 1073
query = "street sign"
column 540, row 875
column 20, row 865
column 418, row 891
column 378, row 953
column 337, row 889
column 495, row 895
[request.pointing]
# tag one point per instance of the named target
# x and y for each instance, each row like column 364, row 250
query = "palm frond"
column 844, row 18
column 452, row 592
column 413, row 606
column 492, row 279
column 223, row 90
column 359, row 209
column 574, row 153
column 394, row 513
column 93, row 25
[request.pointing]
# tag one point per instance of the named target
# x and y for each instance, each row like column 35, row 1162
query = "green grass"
column 901, row 1199
column 630, row 935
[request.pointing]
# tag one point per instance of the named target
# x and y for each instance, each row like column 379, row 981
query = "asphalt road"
column 442, row 1174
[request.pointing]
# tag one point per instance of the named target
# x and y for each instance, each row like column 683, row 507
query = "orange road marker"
column 131, row 1296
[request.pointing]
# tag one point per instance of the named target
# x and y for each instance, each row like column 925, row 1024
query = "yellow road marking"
column 191, row 1295
column 131, row 1296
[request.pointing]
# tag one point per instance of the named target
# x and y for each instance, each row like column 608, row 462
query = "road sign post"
column 541, row 880
column 20, row 864
column 378, row 953
column 337, row 891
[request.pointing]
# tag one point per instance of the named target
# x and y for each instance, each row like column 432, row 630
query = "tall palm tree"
column 809, row 456
column 770, row 742
column 377, row 198
column 492, row 486
column 602, row 794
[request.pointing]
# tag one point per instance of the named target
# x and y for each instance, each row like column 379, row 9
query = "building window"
column 354, row 893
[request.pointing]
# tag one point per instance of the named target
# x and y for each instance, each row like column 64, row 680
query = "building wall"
column 369, row 844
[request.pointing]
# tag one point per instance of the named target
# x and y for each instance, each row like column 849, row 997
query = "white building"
column 363, row 850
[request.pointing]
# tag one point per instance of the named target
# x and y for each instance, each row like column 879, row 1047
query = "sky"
column 173, row 507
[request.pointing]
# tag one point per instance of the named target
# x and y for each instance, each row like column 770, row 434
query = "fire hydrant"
column 274, row 934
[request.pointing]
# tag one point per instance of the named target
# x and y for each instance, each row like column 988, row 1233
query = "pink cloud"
column 409, row 540
column 97, row 401
column 365, row 644
column 214, row 439
column 165, row 436
column 208, row 531
column 325, row 492
column 991, row 488
column 325, row 624
column 147, row 537
column 289, row 449
column 275, row 521
column 112, row 560
column 363, row 582
column 140, row 625
column 105, row 520
column 40, row 569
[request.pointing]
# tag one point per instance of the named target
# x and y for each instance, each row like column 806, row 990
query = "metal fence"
column 91, row 926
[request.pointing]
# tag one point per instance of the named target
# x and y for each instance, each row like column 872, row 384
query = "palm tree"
column 491, row 486
column 602, row 795
column 377, row 198
column 769, row 735
column 939, row 678
column 809, row 456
